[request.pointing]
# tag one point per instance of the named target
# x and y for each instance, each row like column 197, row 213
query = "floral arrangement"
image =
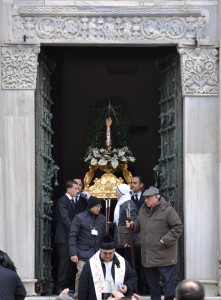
column 104, row 157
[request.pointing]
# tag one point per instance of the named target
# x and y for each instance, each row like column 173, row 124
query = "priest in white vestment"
column 105, row 272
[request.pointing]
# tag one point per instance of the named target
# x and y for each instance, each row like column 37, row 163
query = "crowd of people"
column 152, row 228
column 94, row 265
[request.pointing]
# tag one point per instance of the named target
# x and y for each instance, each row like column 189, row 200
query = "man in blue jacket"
column 87, row 230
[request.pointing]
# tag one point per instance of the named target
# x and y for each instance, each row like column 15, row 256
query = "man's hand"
column 123, row 288
column 64, row 292
column 86, row 195
column 137, row 297
column 117, row 295
column 129, row 224
column 74, row 258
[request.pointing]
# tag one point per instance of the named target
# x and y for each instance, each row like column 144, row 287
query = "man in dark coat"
column 160, row 228
column 65, row 212
column 106, row 271
column 81, row 198
column 137, row 187
column 11, row 286
column 87, row 230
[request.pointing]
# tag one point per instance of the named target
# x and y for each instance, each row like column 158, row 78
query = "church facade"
column 192, row 27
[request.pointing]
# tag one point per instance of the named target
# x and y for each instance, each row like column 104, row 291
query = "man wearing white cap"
column 160, row 228
column 125, row 208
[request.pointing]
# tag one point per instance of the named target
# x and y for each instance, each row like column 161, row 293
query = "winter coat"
column 81, row 242
column 160, row 223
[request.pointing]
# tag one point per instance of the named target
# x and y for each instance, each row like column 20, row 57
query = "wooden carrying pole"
column 131, row 242
column 108, row 204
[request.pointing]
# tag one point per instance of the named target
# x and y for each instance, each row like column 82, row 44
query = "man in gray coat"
column 160, row 228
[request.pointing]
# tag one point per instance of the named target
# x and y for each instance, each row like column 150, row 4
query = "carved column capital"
column 199, row 71
column 19, row 66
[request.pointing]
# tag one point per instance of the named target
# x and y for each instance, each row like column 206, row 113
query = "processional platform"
column 105, row 186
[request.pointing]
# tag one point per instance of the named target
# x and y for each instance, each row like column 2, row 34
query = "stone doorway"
column 86, row 74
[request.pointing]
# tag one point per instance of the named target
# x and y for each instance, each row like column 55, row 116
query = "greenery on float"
column 110, row 106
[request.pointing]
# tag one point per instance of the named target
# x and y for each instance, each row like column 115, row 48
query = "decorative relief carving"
column 107, row 29
column 19, row 66
column 199, row 69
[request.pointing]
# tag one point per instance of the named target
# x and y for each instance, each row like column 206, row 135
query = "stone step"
column 143, row 298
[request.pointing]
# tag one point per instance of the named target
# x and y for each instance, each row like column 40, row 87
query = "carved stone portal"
column 106, row 24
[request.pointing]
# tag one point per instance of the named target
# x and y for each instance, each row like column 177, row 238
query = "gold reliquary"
column 105, row 186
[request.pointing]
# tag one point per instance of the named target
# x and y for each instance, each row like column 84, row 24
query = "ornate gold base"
column 105, row 187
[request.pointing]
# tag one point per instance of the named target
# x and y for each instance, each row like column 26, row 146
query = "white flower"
column 112, row 157
column 93, row 162
column 132, row 159
column 95, row 152
column 102, row 162
column 114, row 164
column 121, row 153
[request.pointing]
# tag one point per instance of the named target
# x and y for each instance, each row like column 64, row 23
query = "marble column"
column 19, row 70
column 219, row 166
column 199, row 70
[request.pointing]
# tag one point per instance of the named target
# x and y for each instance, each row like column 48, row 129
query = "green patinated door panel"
column 170, row 168
column 46, row 170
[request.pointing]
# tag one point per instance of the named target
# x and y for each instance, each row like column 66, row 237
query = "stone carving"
column 199, row 69
column 19, row 66
column 111, row 29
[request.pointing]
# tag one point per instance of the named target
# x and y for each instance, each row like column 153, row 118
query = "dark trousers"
column 66, row 269
column 142, row 284
column 153, row 278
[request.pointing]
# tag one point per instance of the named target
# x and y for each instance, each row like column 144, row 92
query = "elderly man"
column 106, row 271
column 87, row 230
column 160, row 227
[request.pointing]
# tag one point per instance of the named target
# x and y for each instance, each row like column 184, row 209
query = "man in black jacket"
column 82, row 197
column 105, row 272
column 65, row 212
column 87, row 230
column 137, row 187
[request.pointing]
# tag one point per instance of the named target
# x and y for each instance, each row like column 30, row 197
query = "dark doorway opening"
column 83, row 75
